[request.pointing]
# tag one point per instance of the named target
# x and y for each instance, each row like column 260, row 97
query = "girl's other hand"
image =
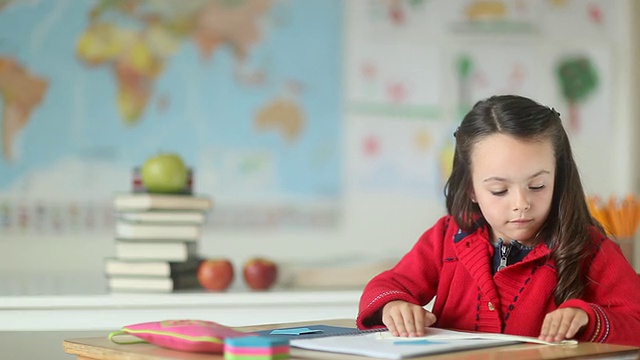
column 563, row 324
column 406, row 319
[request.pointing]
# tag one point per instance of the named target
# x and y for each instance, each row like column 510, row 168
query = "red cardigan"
column 455, row 267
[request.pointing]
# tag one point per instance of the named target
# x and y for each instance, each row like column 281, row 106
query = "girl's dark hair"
column 567, row 226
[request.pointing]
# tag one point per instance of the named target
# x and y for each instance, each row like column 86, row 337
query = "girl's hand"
column 406, row 319
column 563, row 324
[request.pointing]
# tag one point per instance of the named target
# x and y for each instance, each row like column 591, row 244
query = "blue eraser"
column 255, row 341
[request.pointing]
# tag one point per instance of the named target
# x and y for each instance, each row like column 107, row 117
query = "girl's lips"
column 520, row 221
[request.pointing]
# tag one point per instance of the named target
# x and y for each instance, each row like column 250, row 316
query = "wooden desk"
column 100, row 348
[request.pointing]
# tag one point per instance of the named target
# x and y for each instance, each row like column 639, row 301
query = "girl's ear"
column 472, row 196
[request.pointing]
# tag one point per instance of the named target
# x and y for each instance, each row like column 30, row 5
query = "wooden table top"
column 101, row 348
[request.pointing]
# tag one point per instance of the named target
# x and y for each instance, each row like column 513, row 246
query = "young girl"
column 518, row 252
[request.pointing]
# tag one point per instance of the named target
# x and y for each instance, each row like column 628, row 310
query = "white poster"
column 482, row 70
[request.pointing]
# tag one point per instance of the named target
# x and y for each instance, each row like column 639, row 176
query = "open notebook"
column 437, row 341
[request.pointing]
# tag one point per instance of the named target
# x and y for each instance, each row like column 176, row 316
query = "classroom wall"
column 375, row 223
column 634, row 90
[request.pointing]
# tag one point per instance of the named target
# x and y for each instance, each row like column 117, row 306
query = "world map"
column 137, row 56
column 247, row 91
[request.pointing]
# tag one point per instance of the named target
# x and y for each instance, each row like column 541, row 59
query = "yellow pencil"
column 619, row 217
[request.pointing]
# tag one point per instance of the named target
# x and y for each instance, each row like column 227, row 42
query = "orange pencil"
column 627, row 215
column 634, row 215
column 612, row 218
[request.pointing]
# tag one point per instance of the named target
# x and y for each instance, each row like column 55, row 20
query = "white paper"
column 441, row 334
column 370, row 345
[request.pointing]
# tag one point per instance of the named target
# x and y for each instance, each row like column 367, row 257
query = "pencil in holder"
column 620, row 219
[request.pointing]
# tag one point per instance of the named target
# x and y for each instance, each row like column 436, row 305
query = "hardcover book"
column 188, row 280
column 114, row 267
column 175, row 251
column 138, row 231
column 163, row 217
column 149, row 201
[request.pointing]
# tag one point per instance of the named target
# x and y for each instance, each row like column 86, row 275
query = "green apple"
column 164, row 173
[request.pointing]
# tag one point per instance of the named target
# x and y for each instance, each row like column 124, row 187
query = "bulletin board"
column 414, row 68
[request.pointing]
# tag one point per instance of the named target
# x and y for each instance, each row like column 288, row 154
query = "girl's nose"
column 522, row 202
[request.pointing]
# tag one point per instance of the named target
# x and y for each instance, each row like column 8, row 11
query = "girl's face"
column 512, row 182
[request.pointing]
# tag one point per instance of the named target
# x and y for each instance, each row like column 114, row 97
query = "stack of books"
column 156, row 242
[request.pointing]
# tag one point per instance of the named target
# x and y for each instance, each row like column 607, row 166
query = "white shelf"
column 110, row 312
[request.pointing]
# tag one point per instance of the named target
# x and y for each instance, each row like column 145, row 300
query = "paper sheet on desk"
column 442, row 334
column 370, row 345
column 383, row 345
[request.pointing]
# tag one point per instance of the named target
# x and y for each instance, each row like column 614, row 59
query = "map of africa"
column 246, row 91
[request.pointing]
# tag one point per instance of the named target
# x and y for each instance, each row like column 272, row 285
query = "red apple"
column 260, row 273
column 215, row 274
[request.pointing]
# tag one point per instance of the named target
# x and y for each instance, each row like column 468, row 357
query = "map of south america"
column 21, row 92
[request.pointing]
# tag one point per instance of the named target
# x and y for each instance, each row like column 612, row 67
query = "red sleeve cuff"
column 597, row 324
column 371, row 315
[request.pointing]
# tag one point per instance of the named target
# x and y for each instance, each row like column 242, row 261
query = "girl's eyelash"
column 503, row 192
